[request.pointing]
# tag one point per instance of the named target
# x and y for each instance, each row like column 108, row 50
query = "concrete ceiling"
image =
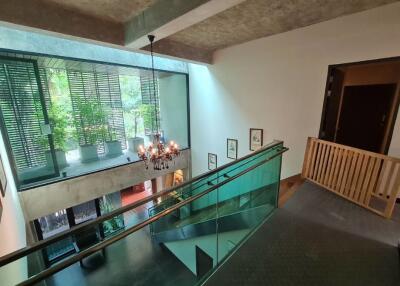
column 188, row 29
column 119, row 11
column 254, row 19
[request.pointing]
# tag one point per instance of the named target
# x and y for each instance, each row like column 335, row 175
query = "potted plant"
column 135, row 141
column 90, row 127
column 113, row 145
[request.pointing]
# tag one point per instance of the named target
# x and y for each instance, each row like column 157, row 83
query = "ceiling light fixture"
column 157, row 153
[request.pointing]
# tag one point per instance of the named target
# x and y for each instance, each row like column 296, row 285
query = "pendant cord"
column 151, row 38
column 149, row 88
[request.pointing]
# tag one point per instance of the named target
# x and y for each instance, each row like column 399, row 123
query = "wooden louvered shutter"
column 24, row 116
column 103, row 90
column 148, row 96
column 110, row 98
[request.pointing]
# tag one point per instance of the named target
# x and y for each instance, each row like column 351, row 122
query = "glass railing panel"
column 208, row 200
column 200, row 185
column 179, row 245
column 188, row 240
column 245, row 203
column 72, row 244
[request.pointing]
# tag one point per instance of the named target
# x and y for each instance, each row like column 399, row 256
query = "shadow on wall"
column 12, row 227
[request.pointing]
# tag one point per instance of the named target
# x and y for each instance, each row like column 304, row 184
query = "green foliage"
column 137, row 116
column 91, row 123
column 57, row 80
column 59, row 122
column 130, row 92
column 131, row 100
column 112, row 224
column 112, row 134
column 148, row 114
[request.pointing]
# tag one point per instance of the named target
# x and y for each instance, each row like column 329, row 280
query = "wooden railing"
column 368, row 179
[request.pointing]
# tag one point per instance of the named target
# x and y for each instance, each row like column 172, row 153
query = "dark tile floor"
column 317, row 238
column 134, row 260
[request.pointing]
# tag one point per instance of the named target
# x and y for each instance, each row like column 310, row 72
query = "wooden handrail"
column 360, row 176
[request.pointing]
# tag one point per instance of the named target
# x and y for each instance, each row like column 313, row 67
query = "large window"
column 51, row 225
column 64, row 118
column 65, row 219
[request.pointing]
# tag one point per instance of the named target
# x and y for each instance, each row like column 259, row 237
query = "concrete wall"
column 277, row 83
column 12, row 228
column 48, row 199
column 15, row 38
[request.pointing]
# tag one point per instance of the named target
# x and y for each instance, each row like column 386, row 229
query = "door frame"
column 392, row 114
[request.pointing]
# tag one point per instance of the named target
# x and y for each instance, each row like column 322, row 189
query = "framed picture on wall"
column 212, row 161
column 256, row 138
column 231, row 148
column 3, row 179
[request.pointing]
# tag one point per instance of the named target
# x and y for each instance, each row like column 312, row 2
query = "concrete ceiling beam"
column 170, row 16
column 48, row 16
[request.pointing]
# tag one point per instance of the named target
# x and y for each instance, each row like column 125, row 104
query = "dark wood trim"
column 392, row 122
column 380, row 60
column 396, row 100
column 327, row 86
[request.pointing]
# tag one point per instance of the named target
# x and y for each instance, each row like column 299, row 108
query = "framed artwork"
column 231, row 148
column 3, row 179
column 256, row 138
column 212, row 161
column 178, row 178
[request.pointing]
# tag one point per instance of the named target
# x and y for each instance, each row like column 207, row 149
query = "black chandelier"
column 157, row 153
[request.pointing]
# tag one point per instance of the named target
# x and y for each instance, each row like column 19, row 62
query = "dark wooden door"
column 364, row 116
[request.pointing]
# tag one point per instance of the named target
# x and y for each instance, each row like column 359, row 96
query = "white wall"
column 277, row 83
column 12, row 228
column 173, row 108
